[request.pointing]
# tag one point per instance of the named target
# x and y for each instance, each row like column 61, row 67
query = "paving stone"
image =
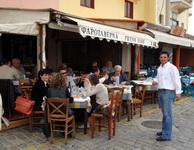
column 130, row 135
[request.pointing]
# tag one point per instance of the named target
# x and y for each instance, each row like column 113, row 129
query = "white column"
column 126, row 57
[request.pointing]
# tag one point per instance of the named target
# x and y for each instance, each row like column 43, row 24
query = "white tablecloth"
column 80, row 99
column 142, row 82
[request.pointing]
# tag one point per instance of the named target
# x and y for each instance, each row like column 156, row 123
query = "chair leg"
column 66, row 131
column 99, row 125
column 51, row 134
column 132, row 111
column 141, row 105
column 30, row 122
column 92, row 126
column 73, row 121
column 119, row 112
column 109, row 129
column 114, row 127
column 128, row 111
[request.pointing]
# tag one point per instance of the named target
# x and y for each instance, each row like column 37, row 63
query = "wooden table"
column 80, row 103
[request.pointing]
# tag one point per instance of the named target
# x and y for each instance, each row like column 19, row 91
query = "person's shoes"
column 162, row 139
column 159, row 133
column 82, row 126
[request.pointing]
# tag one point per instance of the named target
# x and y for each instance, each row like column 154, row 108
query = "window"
column 173, row 20
column 87, row 3
column 128, row 9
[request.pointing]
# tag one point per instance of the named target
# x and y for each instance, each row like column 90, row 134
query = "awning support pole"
column 178, row 50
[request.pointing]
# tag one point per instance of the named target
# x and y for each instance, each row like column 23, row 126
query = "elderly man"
column 18, row 67
column 6, row 72
column 118, row 77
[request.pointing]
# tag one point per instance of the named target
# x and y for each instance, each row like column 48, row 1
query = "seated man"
column 18, row 67
column 68, row 69
column 118, row 77
column 95, row 70
column 6, row 72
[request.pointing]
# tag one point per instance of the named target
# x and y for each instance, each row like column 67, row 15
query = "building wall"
column 32, row 4
column 147, row 10
column 111, row 9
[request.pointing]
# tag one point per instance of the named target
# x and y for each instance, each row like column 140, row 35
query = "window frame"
column 85, row 3
column 126, row 9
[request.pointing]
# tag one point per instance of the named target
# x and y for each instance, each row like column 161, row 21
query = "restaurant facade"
column 37, row 35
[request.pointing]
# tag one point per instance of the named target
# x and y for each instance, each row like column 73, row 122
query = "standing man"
column 168, row 82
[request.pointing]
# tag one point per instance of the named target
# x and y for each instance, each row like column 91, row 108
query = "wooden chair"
column 137, row 102
column 25, row 86
column 101, row 75
column 127, row 73
column 120, row 91
column 150, row 95
column 37, row 117
column 58, row 117
column 97, row 119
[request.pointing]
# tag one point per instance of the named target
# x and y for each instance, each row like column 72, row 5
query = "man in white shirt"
column 168, row 82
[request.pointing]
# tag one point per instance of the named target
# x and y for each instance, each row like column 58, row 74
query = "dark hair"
column 5, row 61
column 164, row 52
column 42, row 72
column 58, row 81
column 94, row 62
column 61, row 69
column 93, row 79
column 94, row 69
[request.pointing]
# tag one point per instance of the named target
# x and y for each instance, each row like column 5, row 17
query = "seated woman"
column 58, row 89
column 100, row 91
column 39, row 89
column 108, row 68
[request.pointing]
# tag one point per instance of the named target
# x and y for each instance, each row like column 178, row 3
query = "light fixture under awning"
column 101, row 31
column 171, row 39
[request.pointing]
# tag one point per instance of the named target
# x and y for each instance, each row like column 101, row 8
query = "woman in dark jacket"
column 39, row 89
column 58, row 89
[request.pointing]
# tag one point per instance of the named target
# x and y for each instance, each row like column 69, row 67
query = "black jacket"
column 122, row 78
column 39, row 90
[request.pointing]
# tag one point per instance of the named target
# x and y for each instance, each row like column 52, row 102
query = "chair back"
column 140, row 91
column 117, row 90
column 113, row 105
column 127, row 73
column 185, row 80
column 57, row 108
column 101, row 75
column 25, row 86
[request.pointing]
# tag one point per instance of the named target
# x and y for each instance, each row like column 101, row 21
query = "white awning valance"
column 19, row 28
column 171, row 39
column 101, row 31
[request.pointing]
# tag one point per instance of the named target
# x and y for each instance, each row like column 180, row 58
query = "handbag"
column 24, row 105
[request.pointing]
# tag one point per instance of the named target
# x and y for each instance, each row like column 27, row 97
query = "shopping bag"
column 24, row 105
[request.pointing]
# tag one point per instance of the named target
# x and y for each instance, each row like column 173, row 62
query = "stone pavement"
column 138, row 134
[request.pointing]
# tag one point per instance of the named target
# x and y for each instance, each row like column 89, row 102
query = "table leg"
column 85, row 120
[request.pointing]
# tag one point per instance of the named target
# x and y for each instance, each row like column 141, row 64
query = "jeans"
column 165, row 99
